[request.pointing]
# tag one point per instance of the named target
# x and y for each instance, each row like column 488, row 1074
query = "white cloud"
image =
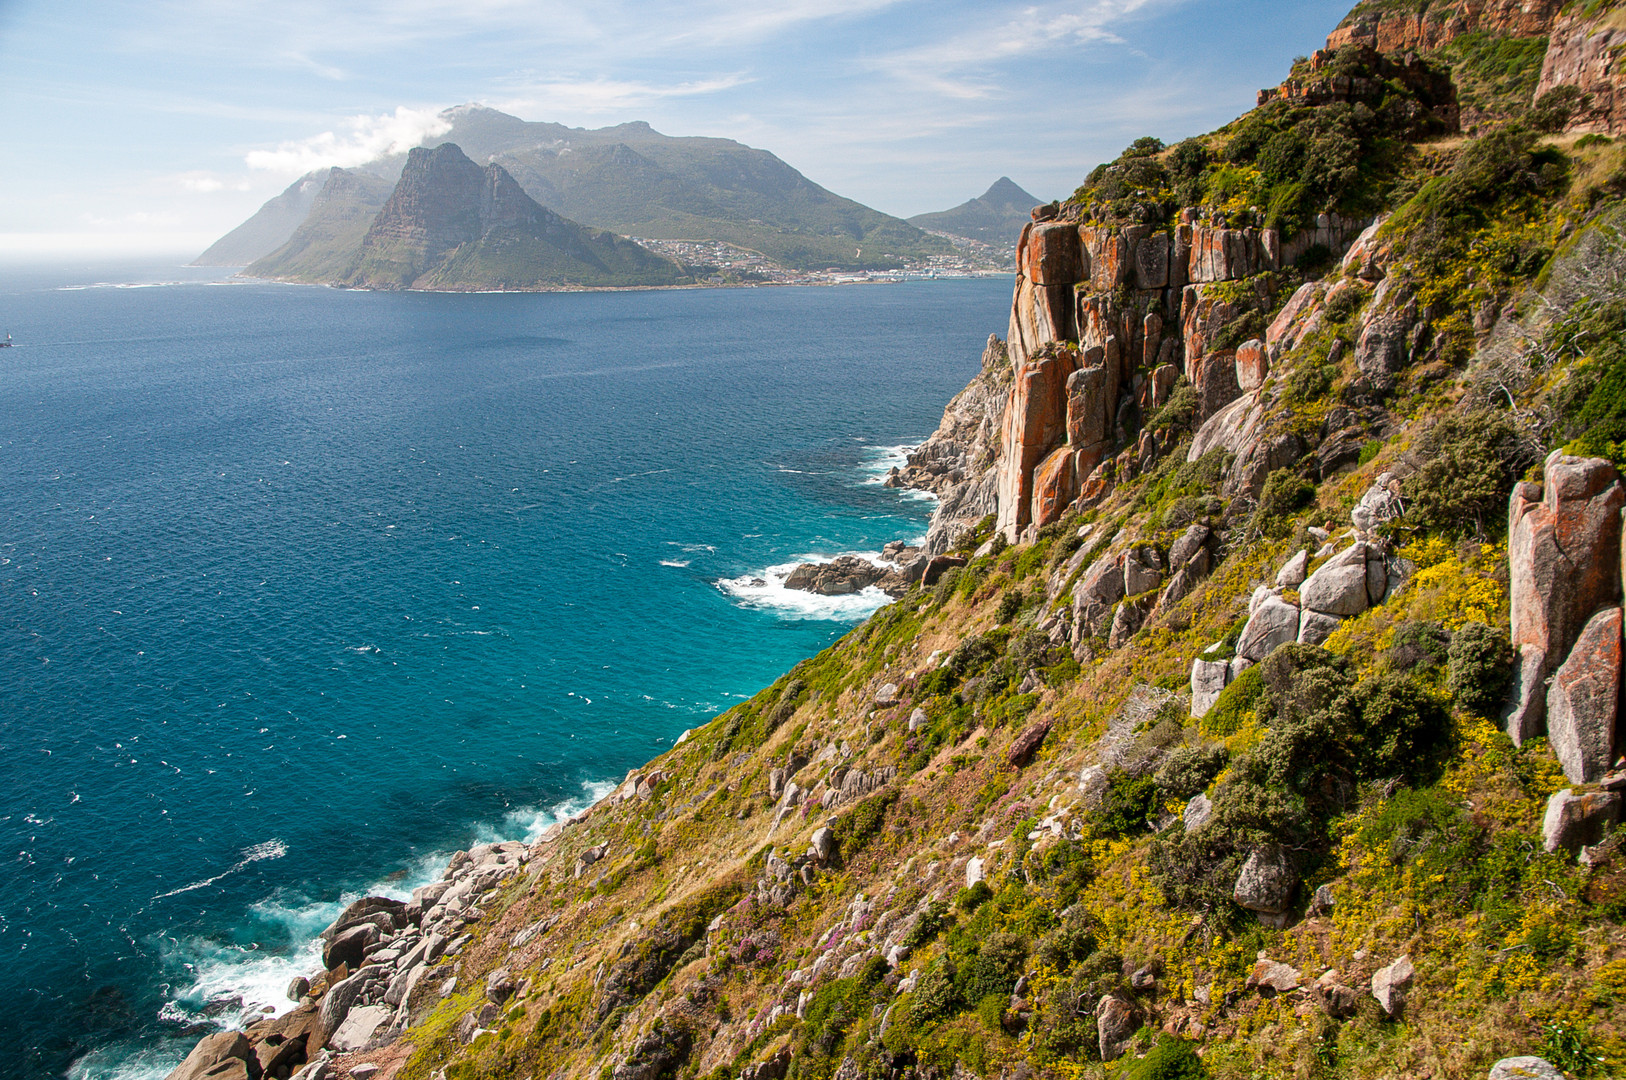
column 956, row 66
column 204, row 183
column 557, row 98
column 369, row 137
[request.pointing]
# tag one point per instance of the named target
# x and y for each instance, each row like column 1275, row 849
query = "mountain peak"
column 1006, row 192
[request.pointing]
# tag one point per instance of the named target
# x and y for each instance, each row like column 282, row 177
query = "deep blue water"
column 304, row 589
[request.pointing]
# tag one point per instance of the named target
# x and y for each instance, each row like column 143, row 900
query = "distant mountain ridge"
column 635, row 181
column 449, row 224
column 995, row 217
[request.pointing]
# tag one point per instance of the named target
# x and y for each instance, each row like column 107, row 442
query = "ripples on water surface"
column 304, row 589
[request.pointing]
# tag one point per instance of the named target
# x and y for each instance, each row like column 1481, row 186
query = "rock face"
column 1583, row 700
column 957, row 463
column 1564, row 564
column 1581, row 53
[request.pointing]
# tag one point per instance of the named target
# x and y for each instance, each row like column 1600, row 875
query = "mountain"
column 995, row 217
column 632, row 180
column 323, row 249
column 1254, row 707
column 452, row 225
column 270, row 227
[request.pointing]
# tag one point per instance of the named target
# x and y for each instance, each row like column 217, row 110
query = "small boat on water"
column 6, row 344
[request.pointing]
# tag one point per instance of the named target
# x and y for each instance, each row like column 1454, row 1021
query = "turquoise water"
column 304, row 589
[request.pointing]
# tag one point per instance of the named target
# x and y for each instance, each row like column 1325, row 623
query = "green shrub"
column 1238, row 699
column 1179, row 411
column 1170, row 1059
column 1479, row 668
column 1189, row 769
column 1126, row 806
column 1009, row 604
column 1466, row 466
column 1285, row 494
column 972, row 897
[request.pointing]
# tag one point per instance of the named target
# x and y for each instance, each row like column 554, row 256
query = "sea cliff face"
column 1253, row 708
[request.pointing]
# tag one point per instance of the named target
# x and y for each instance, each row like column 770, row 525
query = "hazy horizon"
column 153, row 130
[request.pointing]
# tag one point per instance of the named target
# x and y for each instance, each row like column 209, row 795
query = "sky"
column 157, row 126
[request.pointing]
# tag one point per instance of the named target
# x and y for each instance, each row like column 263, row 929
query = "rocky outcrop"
column 1583, row 701
column 1563, row 567
column 1104, row 320
column 846, row 575
column 1392, row 28
column 958, row 462
column 1584, row 52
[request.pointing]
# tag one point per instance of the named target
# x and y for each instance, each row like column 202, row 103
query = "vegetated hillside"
column 1268, row 725
column 633, row 180
column 994, row 217
column 449, row 224
column 322, row 249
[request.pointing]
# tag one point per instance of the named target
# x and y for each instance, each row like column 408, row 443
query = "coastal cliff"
column 1253, row 708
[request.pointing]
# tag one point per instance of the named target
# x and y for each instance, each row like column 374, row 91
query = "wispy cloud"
column 369, row 137
column 561, row 97
column 206, row 183
column 970, row 64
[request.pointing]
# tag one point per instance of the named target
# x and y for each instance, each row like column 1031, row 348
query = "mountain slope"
column 997, row 216
column 323, row 248
column 271, row 226
column 450, row 224
column 632, row 179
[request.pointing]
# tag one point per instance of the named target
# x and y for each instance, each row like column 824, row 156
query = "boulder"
column 1274, row 622
column 1583, row 700
column 1574, row 821
column 1525, row 714
column 298, row 988
column 918, row 719
column 226, row 1056
column 1266, row 882
column 337, row 1002
column 350, row 947
column 1208, row 679
column 1389, row 985
column 1116, row 1021
column 823, row 844
column 1252, row 366
column 1191, row 542
column 973, row 871
column 1053, row 255
column 499, row 986
column 887, row 695
column 1197, row 812
column 1524, row 1068
column 1339, row 587
column 1563, row 562
column 368, row 909
column 1027, row 744
column 1339, row 1001
column 1292, row 573
column 1127, row 621
column 1143, row 571
column 1315, row 628
column 1268, row 975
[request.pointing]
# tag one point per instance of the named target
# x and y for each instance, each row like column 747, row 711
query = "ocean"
column 305, row 589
